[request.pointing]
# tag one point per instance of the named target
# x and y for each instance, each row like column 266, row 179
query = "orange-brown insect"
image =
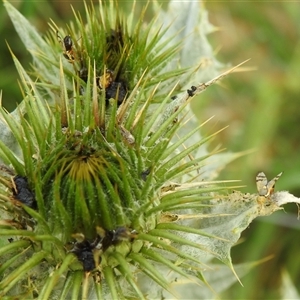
column 105, row 80
column 113, row 89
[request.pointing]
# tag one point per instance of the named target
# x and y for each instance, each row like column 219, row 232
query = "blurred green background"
column 260, row 106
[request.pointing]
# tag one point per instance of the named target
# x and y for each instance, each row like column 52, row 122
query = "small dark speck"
column 145, row 174
column 191, row 91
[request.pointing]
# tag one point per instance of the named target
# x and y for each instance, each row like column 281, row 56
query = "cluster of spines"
column 155, row 163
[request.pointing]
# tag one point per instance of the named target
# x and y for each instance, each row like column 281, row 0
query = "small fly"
column 67, row 45
column 264, row 187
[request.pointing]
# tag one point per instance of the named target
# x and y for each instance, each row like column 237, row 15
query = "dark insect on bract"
column 22, row 192
column 84, row 253
column 191, row 92
column 84, row 249
column 114, row 237
column 113, row 89
column 67, row 44
column 109, row 239
column 83, row 74
column 145, row 174
column 117, row 90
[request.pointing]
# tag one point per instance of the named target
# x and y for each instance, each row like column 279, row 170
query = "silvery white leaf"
column 33, row 42
column 190, row 25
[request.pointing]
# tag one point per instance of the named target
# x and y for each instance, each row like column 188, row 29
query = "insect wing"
column 261, row 184
column 271, row 184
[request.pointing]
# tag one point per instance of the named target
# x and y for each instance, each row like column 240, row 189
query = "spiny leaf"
column 16, row 245
column 125, row 270
column 149, row 269
column 21, row 271
column 112, row 284
column 55, row 277
column 32, row 40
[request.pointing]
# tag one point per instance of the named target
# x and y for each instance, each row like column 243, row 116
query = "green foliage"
column 91, row 166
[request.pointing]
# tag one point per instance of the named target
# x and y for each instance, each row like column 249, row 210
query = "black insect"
column 116, row 90
column 22, row 192
column 145, row 174
column 67, row 44
column 115, row 40
column 113, row 88
column 84, row 253
column 114, row 237
column 84, row 250
column 191, row 92
column 83, row 74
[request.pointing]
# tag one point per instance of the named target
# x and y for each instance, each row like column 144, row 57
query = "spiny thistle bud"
column 101, row 198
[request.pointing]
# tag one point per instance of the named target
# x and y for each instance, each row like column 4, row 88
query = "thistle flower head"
column 101, row 191
column 96, row 191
